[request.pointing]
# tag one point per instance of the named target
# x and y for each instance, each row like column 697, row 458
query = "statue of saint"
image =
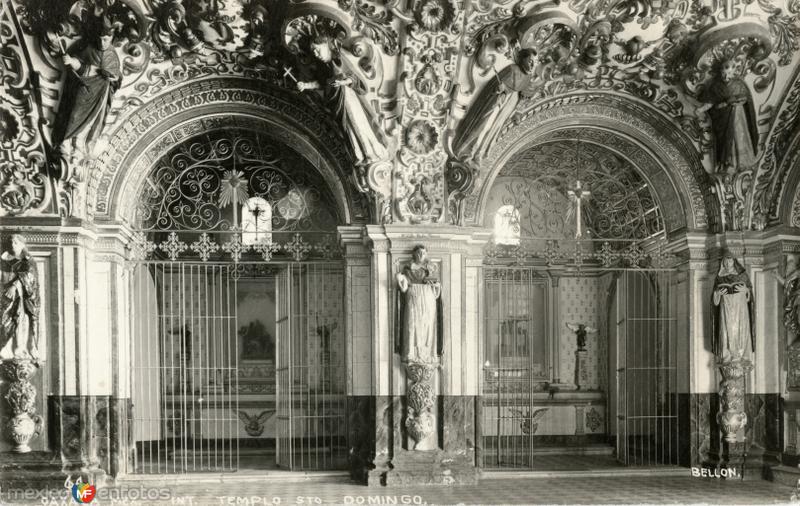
column 354, row 114
column 20, row 304
column 734, row 311
column 733, row 119
column 93, row 76
column 791, row 294
column 482, row 126
column 420, row 310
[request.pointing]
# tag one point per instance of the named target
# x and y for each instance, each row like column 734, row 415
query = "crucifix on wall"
column 576, row 195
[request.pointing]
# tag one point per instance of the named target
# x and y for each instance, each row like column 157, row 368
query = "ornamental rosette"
column 435, row 15
column 421, row 137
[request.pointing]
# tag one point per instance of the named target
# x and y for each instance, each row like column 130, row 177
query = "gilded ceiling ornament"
column 374, row 23
column 186, row 27
column 421, row 137
column 428, row 81
column 23, row 181
column 435, row 15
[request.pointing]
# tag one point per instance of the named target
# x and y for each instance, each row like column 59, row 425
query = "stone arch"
column 211, row 104
column 665, row 156
column 789, row 199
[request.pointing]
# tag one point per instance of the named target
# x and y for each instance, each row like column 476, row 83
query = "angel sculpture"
column 254, row 424
column 581, row 331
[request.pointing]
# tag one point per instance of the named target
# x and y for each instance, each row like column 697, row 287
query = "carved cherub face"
column 729, row 71
column 104, row 41
column 322, row 51
column 677, row 32
column 528, row 62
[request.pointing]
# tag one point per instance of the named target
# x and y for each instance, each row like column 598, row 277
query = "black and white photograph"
column 420, row 252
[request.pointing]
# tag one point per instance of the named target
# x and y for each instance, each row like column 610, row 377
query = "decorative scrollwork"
column 185, row 27
column 188, row 186
column 23, row 181
column 373, row 23
column 582, row 253
column 535, row 182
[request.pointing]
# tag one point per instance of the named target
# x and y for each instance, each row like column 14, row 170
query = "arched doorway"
column 580, row 340
column 237, row 333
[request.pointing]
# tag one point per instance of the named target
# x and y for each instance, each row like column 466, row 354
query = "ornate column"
column 427, row 426
column 361, row 390
column 732, row 417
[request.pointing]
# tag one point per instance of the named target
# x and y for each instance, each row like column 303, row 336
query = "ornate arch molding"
column 665, row 157
column 789, row 211
column 211, row 104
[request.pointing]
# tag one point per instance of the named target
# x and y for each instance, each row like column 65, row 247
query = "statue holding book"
column 733, row 311
column 420, row 310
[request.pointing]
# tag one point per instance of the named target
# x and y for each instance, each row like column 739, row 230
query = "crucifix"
column 287, row 72
column 577, row 195
column 256, row 212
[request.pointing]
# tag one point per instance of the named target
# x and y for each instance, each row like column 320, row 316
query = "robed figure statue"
column 93, row 76
column 19, row 316
column 733, row 119
column 420, row 311
column 482, row 127
column 733, row 319
column 353, row 111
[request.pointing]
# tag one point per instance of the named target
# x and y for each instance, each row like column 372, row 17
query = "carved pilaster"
column 732, row 417
column 420, row 421
column 24, row 424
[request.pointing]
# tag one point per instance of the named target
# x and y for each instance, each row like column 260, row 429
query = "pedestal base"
column 430, row 468
column 581, row 372
column 40, row 470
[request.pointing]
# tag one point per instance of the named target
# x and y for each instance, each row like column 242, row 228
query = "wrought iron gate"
column 646, row 368
column 184, row 370
column 234, row 228
column 543, row 391
column 310, row 365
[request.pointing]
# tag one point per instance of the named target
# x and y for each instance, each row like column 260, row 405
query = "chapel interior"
column 406, row 241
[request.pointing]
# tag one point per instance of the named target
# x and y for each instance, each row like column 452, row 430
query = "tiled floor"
column 271, row 489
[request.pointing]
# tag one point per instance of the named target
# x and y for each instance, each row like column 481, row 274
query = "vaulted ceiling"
column 429, row 99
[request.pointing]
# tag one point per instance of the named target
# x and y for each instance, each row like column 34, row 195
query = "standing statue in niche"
column 481, row 129
column 20, row 303
column 420, row 345
column 94, row 74
column 734, row 311
column 420, row 310
column 352, row 111
column 733, row 119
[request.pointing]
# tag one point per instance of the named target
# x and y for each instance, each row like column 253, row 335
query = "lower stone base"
column 430, row 468
column 37, row 470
